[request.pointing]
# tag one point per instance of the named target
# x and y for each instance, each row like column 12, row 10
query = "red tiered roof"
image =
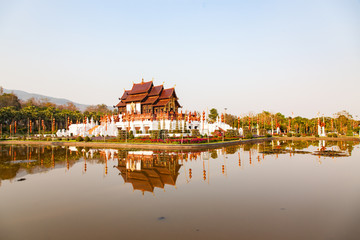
column 135, row 98
column 148, row 94
column 121, row 104
column 124, row 96
column 155, row 91
column 143, row 87
column 167, row 93
column 162, row 102
column 151, row 100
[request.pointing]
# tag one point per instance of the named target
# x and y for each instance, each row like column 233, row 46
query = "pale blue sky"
column 283, row 56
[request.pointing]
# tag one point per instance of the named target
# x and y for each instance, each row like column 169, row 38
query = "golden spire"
column 142, row 80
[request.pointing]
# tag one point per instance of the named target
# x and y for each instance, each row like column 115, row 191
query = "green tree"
column 213, row 115
column 9, row 100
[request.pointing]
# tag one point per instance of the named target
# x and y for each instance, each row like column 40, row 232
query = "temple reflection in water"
column 148, row 170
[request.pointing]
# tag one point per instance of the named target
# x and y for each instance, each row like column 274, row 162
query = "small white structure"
column 90, row 128
column 321, row 128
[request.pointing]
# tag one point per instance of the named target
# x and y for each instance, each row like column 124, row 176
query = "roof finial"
column 174, row 85
column 163, row 82
column 142, row 80
column 152, row 79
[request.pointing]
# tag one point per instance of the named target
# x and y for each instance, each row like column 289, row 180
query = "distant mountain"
column 58, row 101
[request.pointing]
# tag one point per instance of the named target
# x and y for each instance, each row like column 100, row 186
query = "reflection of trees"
column 8, row 171
column 249, row 146
column 232, row 149
column 299, row 145
column 213, row 154
column 346, row 146
column 350, row 148
column 32, row 159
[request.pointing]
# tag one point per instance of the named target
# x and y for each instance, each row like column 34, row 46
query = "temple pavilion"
column 145, row 108
column 144, row 98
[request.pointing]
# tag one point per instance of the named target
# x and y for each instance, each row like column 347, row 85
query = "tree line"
column 342, row 122
column 42, row 115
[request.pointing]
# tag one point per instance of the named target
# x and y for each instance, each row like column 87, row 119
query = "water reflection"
column 268, row 190
column 147, row 170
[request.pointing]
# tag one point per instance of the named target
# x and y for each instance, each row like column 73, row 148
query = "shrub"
column 154, row 134
column 122, row 134
column 231, row 133
column 249, row 136
column 131, row 135
column 164, row 134
column 330, row 135
column 298, row 135
column 87, row 139
column 289, row 134
column 349, row 133
column 79, row 139
column 268, row 135
column 316, row 135
column 195, row 133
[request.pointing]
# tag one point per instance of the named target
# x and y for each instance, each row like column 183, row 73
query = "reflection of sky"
column 280, row 197
column 305, row 51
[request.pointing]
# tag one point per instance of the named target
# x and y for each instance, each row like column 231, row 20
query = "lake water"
column 271, row 190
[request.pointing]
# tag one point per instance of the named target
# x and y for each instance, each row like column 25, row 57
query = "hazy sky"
column 288, row 56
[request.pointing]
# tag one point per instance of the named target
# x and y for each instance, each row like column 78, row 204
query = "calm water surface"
column 271, row 190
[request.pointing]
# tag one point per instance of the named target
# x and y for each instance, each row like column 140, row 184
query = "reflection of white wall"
column 133, row 165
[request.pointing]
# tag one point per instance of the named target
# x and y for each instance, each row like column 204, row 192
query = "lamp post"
column 224, row 122
column 225, row 114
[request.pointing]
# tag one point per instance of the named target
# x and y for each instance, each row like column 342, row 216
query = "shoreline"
column 173, row 146
column 147, row 146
